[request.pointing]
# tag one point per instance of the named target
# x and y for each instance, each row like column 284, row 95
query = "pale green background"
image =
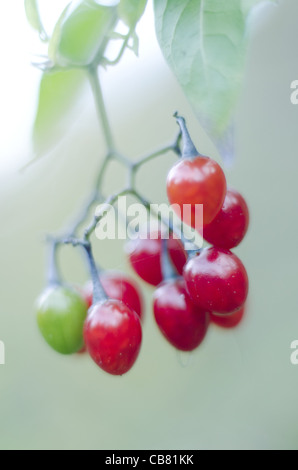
column 239, row 389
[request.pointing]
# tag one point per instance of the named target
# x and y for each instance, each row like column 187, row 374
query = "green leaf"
column 135, row 43
column 204, row 42
column 81, row 32
column 53, row 51
column 33, row 17
column 131, row 11
column 58, row 100
column 248, row 5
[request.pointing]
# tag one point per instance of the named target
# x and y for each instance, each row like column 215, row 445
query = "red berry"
column 198, row 180
column 145, row 256
column 216, row 280
column 118, row 286
column 182, row 323
column 113, row 336
column 230, row 225
column 228, row 321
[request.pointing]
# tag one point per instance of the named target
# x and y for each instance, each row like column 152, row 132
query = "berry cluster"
column 192, row 289
column 212, row 284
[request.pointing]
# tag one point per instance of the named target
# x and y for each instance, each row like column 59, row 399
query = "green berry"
column 61, row 313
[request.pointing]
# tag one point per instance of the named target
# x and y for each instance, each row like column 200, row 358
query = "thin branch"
column 112, row 153
column 151, row 156
column 166, row 223
column 104, row 209
column 169, row 148
column 100, row 107
column 84, row 214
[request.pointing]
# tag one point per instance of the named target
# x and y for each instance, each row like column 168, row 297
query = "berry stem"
column 167, row 269
column 189, row 149
column 53, row 277
column 99, row 294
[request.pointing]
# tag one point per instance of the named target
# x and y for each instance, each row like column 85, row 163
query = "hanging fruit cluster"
column 192, row 289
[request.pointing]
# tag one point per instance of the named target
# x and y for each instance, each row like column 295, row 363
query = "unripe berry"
column 61, row 313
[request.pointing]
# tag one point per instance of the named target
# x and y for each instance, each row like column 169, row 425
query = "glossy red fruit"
column 118, row 286
column 145, row 257
column 228, row 321
column 216, row 280
column 194, row 181
column 230, row 225
column 113, row 336
column 182, row 323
